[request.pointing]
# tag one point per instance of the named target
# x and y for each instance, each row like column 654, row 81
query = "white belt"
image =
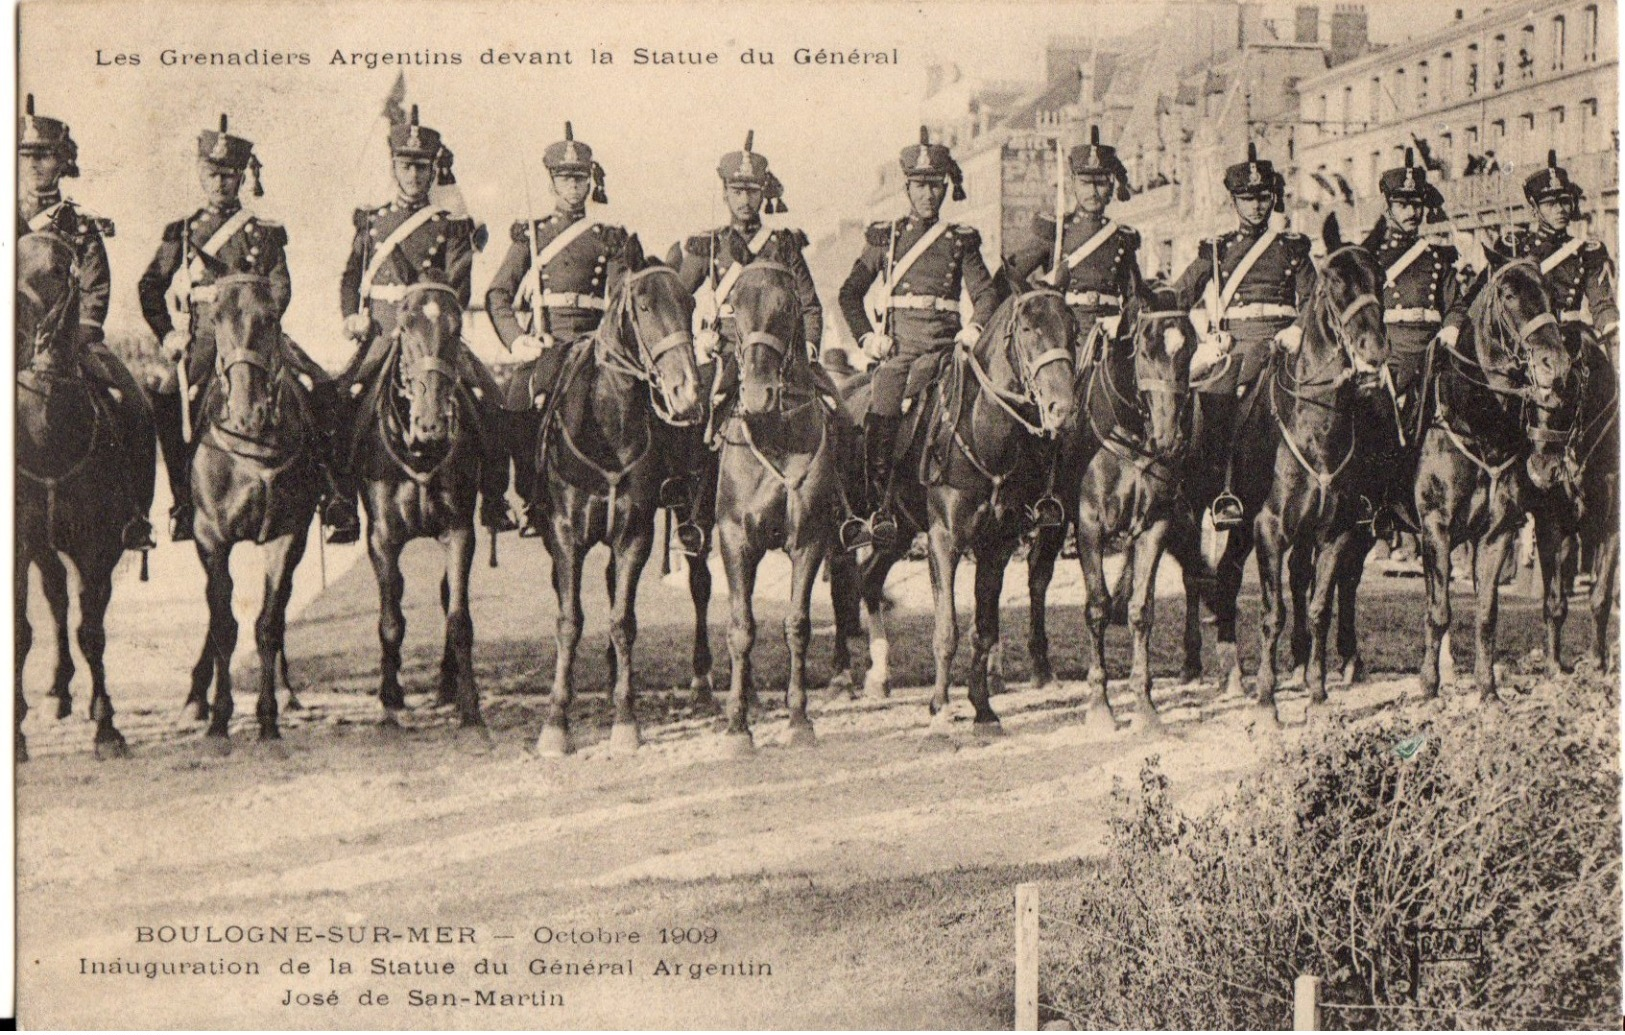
column 1259, row 311
column 387, row 292
column 945, row 305
column 1414, row 314
column 571, row 300
column 1576, row 316
column 1092, row 298
column 202, row 293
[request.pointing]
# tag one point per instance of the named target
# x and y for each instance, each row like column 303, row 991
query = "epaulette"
column 274, row 230
column 1044, row 223
column 699, row 244
column 363, row 216
column 879, row 233
column 969, row 236
column 520, row 231
column 1591, row 246
column 799, row 238
column 1130, row 232
column 173, row 231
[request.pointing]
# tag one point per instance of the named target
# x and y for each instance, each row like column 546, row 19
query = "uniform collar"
column 1398, row 237
column 33, row 206
column 913, row 220
column 1081, row 218
column 401, row 204
column 1252, row 233
column 227, row 209
column 1557, row 236
column 748, row 230
column 569, row 216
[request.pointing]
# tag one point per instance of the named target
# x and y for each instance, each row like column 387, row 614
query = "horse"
column 1136, row 407
column 601, row 478
column 990, row 426
column 779, row 484
column 75, row 485
column 1580, row 507
column 416, row 452
column 1309, row 521
column 1484, row 449
column 255, row 480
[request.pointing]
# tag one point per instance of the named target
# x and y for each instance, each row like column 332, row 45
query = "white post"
column 1306, row 1003
column 1026, row 957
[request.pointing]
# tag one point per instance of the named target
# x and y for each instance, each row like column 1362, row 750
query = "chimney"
column 1308, row 25
column 1349, row 34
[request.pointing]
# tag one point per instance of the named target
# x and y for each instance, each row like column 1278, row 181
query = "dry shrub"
column 1350, row 841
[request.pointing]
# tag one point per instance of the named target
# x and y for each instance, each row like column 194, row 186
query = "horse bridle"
column 648, row 358
column 1514, row 335
column 1338, row 320
column 767, row 339
column 427, row 367
column 270, row 364
column 1025, row 369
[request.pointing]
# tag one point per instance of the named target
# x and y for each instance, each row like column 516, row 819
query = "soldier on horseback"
column 1093, row 259
column 46, row 152
column 1579, row 270
column 405, row 242
column 560, row 268
column 1422, row 303
column 1250, row 284
column 923, row 263
column 221, row 238
column 709, row 264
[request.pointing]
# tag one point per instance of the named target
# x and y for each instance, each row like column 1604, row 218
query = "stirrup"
column 137, row 534
column 180, row 523
column 1226, row 511
column 1047, row 512
column 530, row 523
column 342, row 522
column 854, row 534
column 673, row 493
column 690, row 539
column 883, row 528
column 495, row 517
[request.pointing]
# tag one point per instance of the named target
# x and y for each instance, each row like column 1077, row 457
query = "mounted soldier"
column 923, row 263
column 177, row 293
column 1248, row 287
column 1422, row 303
column 550, row 291
column 46, row 152
column 1579, row 270
column 409, row 241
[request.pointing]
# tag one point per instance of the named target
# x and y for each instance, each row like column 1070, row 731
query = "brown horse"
column 417, row 454
column 75, row 486
column 1310, row 519
column 990, row 428
column 254, row 479
column 779, row 484
column 599, row 476
column 1136, row 407
column 1484, row 450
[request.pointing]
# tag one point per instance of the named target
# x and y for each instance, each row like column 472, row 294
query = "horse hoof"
column 1232, row 684
column 1190, row 675
column 1269, row 719
column 472, row 737
column 293, row 704
column 1098, row 718
column 801, row 735
column 841, row 683
column 1353, row 671
column 624, row 739
column 274, row 748
column 195, row 712
column 1295, row 677
column 941, row 725
column 738, row 745
column 112, row 747
column 987, row 729
column 270, row 733
column 554, row 742
column 1145, row 722
column 64, row 707
column 1492, row 701
column 876, row 688
column 217, row 744
column 1317, row 709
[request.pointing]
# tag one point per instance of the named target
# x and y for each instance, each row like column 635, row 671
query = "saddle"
column 577, row 356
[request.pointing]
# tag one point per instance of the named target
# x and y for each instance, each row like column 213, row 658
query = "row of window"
column 1506, row 59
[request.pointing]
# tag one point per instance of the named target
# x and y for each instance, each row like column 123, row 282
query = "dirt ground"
column 863, row 882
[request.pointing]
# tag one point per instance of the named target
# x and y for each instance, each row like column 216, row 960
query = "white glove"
column 705, row 344
column 357, row 326
column 1290, row 337
column 969, row 334
column 877, row 345
column 1447, row 336
column 175, row 344
column 528, row 348
column 1210, row 349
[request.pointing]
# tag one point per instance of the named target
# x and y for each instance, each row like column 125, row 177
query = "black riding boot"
column 1216, row 447
column 494, row 471
column 524, row 427
column 879, row 442
column 166, row 416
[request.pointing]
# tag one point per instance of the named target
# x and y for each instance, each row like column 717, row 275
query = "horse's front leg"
column 1300, row 573
column 1329, row 564
column 54, row 584
column 555, row 739
column 1142, row 607
column 384, row 544
column 95, row 593
column 216, row 559
column 740, row 558
column 460, row 624
column 991, row 561
column 844, row 601
column 944, row 564
column 877, row 681
column 1553, row 544
column 1270, row 541
column 24, row 639
column 270, row 630
column 1046, row 547
column 631, row 554
column 1350, row 572
column 446, row 689
column 1184, row 543
column 1096, row 609
column 805, row 559
column 1224, row 602
column 701, row 684
column 1435, row 546
column 1604, row 570
column 1492, row 553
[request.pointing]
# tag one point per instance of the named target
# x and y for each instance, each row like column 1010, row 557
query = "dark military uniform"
column 84, row 233
column 1422, row 299
column 702, row 263
column 411, row 241
column 1582, row 276
column 1096, row 285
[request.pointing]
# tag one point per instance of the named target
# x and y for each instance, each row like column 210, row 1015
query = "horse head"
column 1522, row 351
column 647, row 334
column 47, row 304
column 429, row 329
column 1038, row 357
column 248, row 356
column 1164, row 342
column 767, row 314
column 1344, row 335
